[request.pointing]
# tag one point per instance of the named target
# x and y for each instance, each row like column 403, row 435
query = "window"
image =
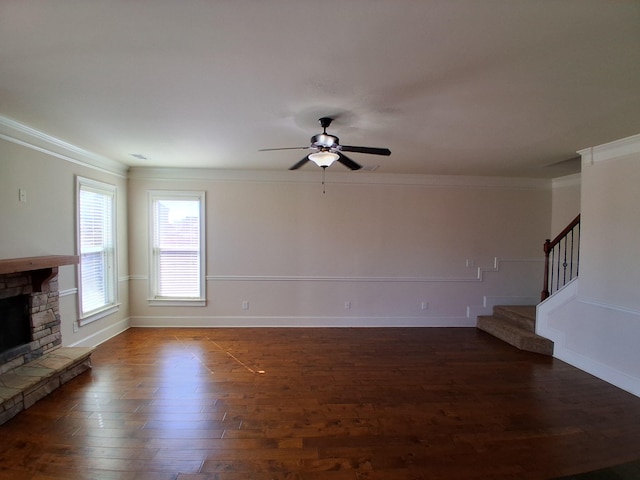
column 97, row 282
column 177, row 248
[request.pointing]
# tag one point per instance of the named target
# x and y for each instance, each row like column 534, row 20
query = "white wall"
column 383, row 243
column 565, row 202
column 46, row 170
column 596, row 322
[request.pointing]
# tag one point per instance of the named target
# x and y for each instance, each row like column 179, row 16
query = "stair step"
column 514, row 334
column 524, row 316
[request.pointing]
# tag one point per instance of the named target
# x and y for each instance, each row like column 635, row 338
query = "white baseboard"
column 245, row 321
column 599, row 370
column 103, row 335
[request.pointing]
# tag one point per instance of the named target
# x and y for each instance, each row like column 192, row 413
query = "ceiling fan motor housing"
column 324, row 141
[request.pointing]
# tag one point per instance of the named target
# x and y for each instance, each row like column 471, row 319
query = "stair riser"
column 508, row 332
column 524, row 323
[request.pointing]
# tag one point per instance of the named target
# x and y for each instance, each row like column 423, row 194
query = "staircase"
column 516, row 325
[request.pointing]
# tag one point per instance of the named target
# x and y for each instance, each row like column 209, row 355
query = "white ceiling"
column 471, row 87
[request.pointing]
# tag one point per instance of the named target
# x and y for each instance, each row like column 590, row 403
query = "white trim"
column 302, row 321
column 138, row 277
column 611, row 150
column 174, row 175
column 97, row 315
column 479, row 277
column 311, row 278
column 153, row 196
column 67, row 292
column 102, row 335
column 574, row 180
column 111, row 191
column 598, row 369
column 609, row 306
column 25, row 136
column 177, row 302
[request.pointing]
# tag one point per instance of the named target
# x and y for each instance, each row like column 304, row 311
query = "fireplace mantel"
column 42, row 268
column 15, row 265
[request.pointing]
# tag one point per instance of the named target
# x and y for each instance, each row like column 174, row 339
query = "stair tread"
column 528, row 311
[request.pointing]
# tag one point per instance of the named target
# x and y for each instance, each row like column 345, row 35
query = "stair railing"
column 561, row 258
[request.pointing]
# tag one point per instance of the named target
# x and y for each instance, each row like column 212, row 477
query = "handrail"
column 563, row 247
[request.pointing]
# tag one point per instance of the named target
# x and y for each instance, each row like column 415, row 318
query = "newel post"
column 545, row 284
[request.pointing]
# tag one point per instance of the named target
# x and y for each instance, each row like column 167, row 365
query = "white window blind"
column 177, row 245
column 96, row 243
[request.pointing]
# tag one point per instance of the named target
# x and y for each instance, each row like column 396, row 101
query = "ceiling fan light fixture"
column 324, row 159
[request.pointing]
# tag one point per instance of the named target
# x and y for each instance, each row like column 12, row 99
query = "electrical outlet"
column 75, row 327
column 347, row 305
column 245, row 305
column 424, row 305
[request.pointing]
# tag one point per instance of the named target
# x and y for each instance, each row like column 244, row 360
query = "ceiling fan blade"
column 369, row 150
column 347, row 162
column 299, row 164
column 285, row 148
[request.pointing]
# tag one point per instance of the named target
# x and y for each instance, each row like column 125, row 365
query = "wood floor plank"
column 311, row 404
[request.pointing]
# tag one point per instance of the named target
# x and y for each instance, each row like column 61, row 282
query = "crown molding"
column 336, row 178
column 21, row 134
column 608, row 151
column 574, row 180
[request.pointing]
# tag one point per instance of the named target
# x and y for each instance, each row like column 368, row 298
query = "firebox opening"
column 15, row 322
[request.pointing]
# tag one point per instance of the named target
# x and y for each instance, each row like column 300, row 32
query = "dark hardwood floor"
column 334, row 404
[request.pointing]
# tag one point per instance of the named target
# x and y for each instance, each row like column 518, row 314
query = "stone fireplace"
column 32, row 361
column 37, row 280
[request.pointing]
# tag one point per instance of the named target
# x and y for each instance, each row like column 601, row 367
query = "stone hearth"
column 30, row 371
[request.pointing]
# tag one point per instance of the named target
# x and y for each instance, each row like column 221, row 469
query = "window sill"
column 92, row 317
column 177, row 302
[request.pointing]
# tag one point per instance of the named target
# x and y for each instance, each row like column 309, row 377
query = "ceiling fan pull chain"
column 324, row 169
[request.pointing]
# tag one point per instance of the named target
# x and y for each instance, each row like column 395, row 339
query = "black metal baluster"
column 553, row 260
column 578, row 255
column 572, row 248
column 558, row 267
column 564, row 263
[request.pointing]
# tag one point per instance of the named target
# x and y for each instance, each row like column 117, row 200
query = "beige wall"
column 45, row 225
column 383, row 243
column 386, row 244
column 565, row 202
column 611, row 260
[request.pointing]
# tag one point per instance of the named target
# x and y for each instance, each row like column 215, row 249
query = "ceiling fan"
column 327, row 149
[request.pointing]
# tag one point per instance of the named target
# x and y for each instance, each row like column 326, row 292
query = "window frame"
column 155, row 299
column 110, row 278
